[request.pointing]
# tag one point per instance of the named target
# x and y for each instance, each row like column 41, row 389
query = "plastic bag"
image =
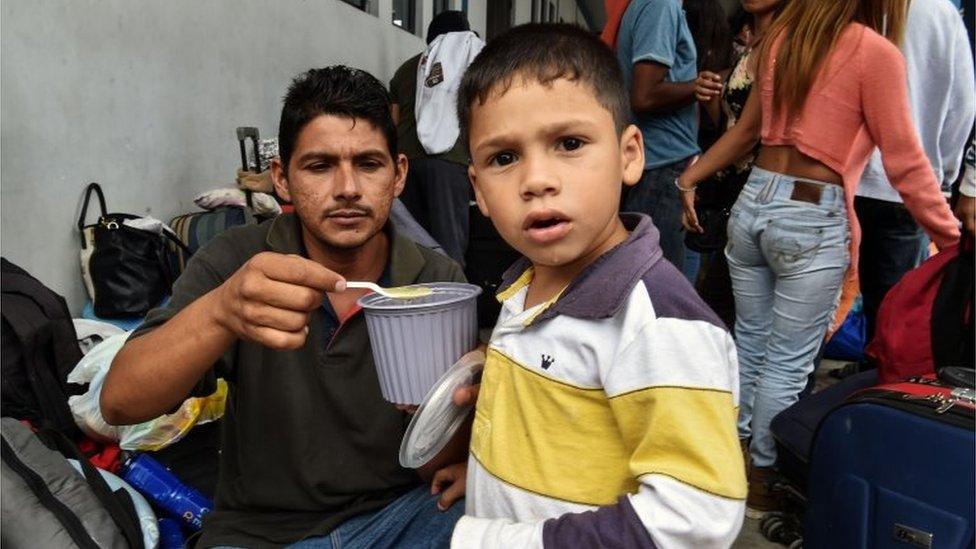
column 849, row 340
column 151, row 435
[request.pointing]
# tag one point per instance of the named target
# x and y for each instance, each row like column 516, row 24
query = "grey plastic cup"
column 415, row 341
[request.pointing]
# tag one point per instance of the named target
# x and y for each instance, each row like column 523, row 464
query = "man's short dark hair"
column 337, row 90
column 545, row 53
column 445, row 22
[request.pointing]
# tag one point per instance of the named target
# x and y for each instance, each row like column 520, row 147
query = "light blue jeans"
column 787, row 260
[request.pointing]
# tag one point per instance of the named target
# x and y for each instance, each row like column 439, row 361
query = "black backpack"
column 39, row 349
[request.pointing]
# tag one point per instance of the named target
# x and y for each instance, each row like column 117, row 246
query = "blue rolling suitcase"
column 894, row 467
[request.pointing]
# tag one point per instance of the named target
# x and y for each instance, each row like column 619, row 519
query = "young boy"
column 606, row 415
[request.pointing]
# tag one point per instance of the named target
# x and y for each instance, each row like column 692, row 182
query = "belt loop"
column 766, row 191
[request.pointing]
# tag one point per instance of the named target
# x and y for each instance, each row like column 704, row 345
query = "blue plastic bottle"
column 154, row 481
column 170, row 534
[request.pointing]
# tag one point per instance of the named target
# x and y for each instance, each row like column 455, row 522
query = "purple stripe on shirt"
column 674, row 297
column 611, row 526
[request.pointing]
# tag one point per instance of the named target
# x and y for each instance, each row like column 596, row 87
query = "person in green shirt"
column 309, row 447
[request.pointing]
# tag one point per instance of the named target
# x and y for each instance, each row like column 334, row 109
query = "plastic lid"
column 437, row 418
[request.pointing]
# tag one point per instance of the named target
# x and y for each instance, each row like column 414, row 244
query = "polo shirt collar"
column 405, row 264
column 601, row 289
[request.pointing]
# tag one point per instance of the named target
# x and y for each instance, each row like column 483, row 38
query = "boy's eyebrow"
column 563, row 126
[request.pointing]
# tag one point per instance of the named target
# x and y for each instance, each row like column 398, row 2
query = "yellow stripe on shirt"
column 522, row 281
column 685, row 433
column 549, row 437
column 576, row 444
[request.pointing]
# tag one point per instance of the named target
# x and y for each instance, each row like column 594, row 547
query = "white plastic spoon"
column 400, row 292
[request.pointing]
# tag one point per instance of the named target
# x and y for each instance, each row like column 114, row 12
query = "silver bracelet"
column 682, row 189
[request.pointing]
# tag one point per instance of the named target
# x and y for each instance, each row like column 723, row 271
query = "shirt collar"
column 601, row 289
column 404, row 266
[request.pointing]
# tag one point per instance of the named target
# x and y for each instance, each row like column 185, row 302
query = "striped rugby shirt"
column 606, row 416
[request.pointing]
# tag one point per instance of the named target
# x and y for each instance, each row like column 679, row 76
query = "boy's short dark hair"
column 337, row 90
column 544, row 53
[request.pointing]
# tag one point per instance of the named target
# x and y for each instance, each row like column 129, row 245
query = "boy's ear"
column 473, row 176
column 631, row 155
column 280, row 179
column 401, row 164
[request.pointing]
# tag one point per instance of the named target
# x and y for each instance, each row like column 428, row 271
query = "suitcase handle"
column 243, row 134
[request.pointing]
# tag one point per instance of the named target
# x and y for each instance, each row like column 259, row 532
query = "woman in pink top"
column 830, row 89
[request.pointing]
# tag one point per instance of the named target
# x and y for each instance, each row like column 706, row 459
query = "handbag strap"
column 176, row 240
column 84, row 209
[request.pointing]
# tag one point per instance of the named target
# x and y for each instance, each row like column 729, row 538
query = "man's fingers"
column 295, row 269
column 441, row 477
column 276, row 339
column 453, row 493
column 282, row 295
column 453, row 477
column 464, row 396
column 276, row 318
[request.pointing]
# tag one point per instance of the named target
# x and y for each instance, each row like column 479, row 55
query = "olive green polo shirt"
column 307, row 439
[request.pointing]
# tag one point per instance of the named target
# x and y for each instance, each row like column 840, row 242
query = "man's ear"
column 631, row 155
column 401, row 165
column 280, row 179
column 473, row 176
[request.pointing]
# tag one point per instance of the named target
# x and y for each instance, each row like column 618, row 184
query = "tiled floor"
column 749, row 537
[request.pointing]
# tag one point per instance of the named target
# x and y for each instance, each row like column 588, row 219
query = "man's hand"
column 450, row 483
column 966, row 212
column 270, row 299
column 708, row 86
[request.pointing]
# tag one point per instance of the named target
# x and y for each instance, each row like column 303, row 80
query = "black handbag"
column 127, row 270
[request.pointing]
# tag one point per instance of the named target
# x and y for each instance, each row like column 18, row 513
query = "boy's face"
column 341, row 180
column 547, row 164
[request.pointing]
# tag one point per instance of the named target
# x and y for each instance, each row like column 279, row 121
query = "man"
column 940, row 86
column 656, row 51
column 437, row 191
column 309, row 446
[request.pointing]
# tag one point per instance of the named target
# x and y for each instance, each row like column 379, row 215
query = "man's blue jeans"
column 787, row 261
column 412, row 520
column 891, row 244
column 656, row 196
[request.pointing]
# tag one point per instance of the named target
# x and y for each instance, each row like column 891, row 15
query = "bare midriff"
column 787, row 160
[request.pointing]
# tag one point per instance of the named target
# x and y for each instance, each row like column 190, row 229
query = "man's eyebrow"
column 332, row 157
column 316, row 155
column 556, row 128
column 372, row 153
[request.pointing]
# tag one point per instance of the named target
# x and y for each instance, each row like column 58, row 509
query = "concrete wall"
column 144, row 97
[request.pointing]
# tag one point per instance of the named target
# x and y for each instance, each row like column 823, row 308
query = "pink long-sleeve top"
column 860, row 101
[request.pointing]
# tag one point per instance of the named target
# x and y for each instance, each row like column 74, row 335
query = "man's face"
column 341, row 180
column 547, row 164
